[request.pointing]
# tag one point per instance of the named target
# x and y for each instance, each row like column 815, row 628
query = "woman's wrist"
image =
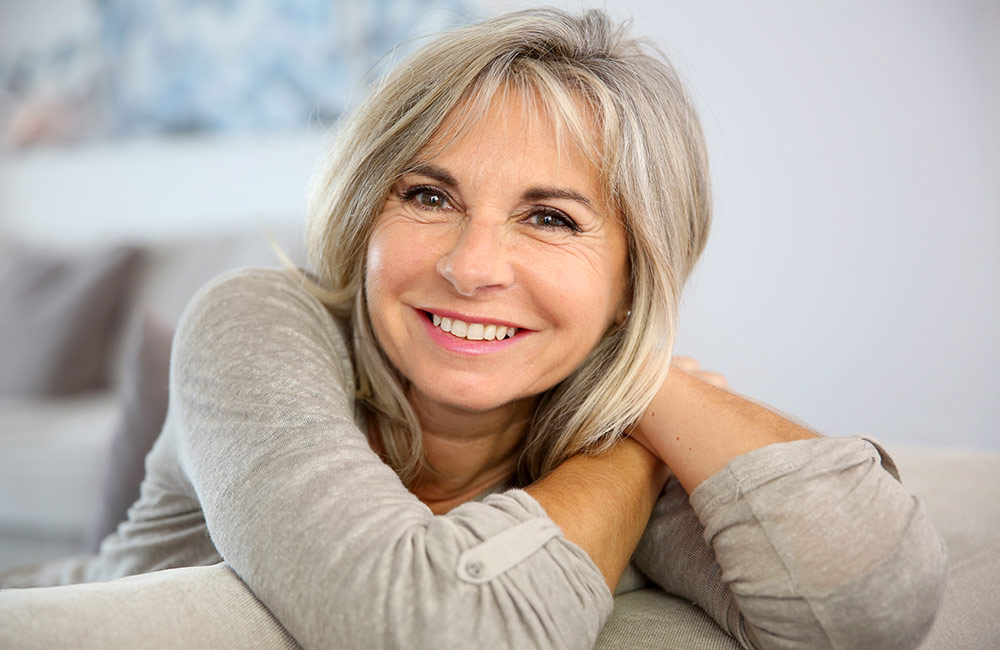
column 602, row 502
column 696, row 428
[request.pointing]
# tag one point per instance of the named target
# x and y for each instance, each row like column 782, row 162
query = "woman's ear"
column 624, row 308
column 623, row 311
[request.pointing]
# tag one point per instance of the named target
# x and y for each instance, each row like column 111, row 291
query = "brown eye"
column 431, row 200
column 426, row 197
column 553, row 220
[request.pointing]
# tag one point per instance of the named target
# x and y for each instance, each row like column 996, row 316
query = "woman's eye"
column 553, row 220
column 426, row 197
column 431, row 200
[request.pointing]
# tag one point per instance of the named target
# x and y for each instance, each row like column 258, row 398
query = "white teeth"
column 473, row 331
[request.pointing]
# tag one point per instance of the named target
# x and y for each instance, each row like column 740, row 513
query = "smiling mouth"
column 472, row 331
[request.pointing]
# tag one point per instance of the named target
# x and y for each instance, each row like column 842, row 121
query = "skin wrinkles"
column 591, row 220
column 540, row 200
column 592, row 235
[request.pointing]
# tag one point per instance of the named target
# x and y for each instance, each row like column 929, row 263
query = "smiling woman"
column 500, row 229
column 462, row 428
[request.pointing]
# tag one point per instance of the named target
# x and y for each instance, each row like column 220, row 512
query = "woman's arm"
column 811, row 543
column 602, row 503
column 696, row 427
column 323, row 531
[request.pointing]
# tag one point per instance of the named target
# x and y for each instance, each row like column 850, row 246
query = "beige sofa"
column 59, row 463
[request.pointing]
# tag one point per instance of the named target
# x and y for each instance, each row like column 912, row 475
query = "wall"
column 852, row 274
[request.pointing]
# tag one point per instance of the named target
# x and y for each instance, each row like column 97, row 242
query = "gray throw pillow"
column 59, row 317
column 143, row 399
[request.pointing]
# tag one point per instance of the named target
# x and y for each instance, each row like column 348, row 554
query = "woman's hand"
column 696, row 426
column 691, row 366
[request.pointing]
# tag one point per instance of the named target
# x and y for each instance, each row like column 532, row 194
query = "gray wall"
column 852, row 274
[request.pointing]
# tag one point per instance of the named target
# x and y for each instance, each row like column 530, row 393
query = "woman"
column 458, row 431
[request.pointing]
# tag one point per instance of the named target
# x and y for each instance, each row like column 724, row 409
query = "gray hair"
column 654, row 170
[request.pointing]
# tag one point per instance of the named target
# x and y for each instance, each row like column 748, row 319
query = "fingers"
column 691, row 366
column 687, row 364
column 714, row 378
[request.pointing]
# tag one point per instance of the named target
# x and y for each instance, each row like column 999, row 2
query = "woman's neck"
column 467, row 453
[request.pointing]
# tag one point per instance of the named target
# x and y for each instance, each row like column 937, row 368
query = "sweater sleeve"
column 806, row 544
column 320, row 529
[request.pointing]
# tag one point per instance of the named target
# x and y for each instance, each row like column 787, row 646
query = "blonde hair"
column 654, row 169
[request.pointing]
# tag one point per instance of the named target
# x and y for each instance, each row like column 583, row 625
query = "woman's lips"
column 472, row 331
column 470, row 338
column 469, row 318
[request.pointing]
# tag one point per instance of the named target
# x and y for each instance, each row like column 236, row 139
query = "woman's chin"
column 462, row 399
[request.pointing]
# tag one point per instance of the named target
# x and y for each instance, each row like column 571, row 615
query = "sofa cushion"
column 175, row 269
column 143, row 398
column 960, row 490
column 650, row 618
column 59, row 316
column 52, row 456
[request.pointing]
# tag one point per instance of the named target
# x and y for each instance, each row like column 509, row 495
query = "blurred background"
column 851, row 279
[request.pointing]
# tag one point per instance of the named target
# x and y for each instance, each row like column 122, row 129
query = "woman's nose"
column 477, row 261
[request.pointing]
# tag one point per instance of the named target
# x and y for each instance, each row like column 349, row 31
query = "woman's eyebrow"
column 437, row 173
column 543, row 193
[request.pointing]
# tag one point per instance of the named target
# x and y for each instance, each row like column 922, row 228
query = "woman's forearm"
column 602, row 503
column 697, row 428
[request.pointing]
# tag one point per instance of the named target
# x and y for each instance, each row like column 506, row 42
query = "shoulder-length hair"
column 584, row 70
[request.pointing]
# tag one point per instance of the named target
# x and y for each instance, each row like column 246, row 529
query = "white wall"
column 852, row 275
column 157, row 189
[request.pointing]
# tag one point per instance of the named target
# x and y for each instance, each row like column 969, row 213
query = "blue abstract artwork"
column 182, row 66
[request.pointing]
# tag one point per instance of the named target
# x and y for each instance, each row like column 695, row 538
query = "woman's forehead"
column 568, row 119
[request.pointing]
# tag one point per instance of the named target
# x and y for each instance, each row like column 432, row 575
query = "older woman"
column 463, row 426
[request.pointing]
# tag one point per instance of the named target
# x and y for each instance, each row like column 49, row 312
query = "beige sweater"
column 262, row 472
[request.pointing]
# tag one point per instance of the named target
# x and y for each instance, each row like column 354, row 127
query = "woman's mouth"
column 472, row 331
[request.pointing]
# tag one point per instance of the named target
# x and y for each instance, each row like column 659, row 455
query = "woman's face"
column 504, row 239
